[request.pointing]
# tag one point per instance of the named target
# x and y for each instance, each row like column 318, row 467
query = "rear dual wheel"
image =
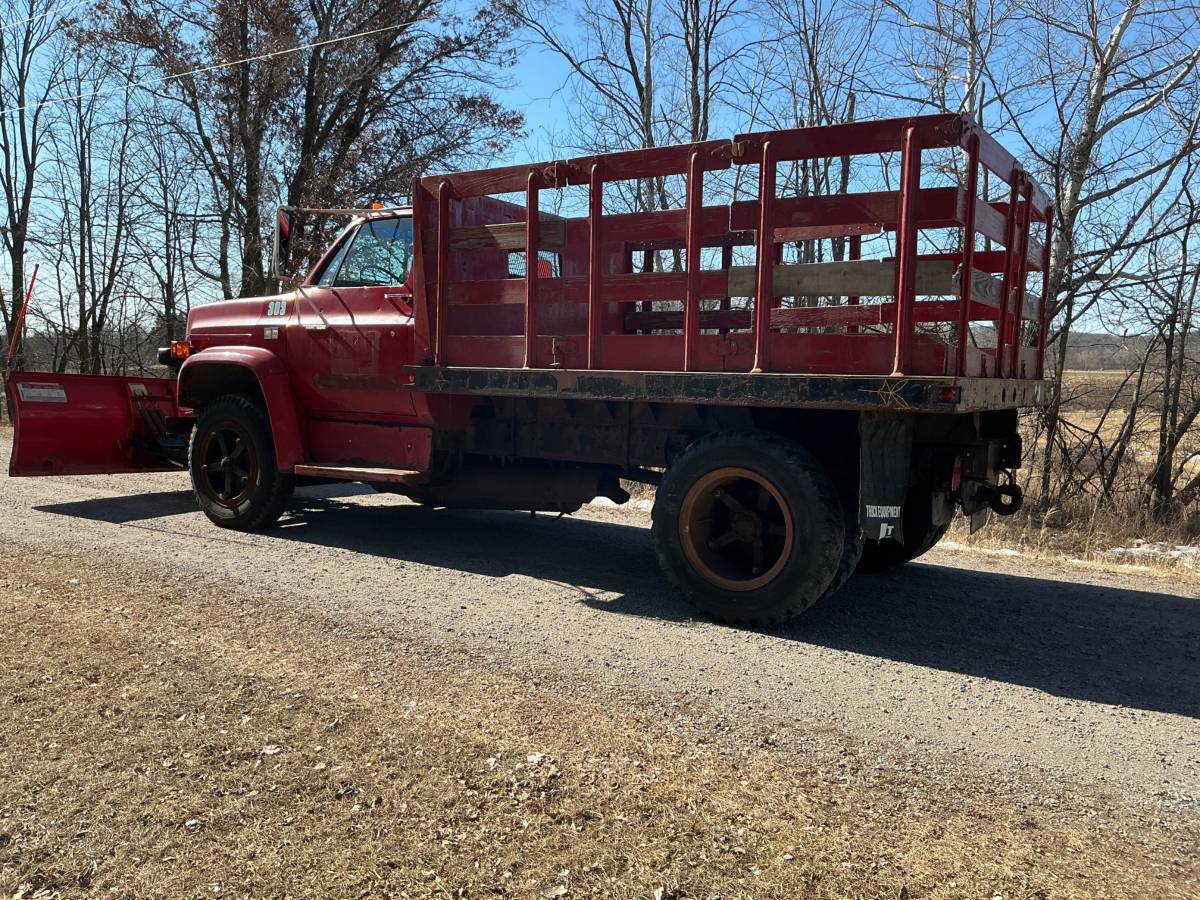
column 750, row 528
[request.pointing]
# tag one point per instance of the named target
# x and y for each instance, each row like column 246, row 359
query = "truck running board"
column 357, row 473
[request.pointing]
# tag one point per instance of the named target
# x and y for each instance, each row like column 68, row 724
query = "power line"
column 163, row 79
column 58, row 9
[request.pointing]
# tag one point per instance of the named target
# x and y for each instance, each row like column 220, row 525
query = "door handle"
column 401, row 302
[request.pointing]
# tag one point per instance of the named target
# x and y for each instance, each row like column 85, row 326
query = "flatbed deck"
column 940, row 394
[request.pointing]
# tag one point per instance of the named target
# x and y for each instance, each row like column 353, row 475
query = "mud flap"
column 885, row 460
column 91, row 424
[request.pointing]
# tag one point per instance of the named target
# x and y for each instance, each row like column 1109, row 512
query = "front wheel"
column 749, row 527
column 231, row 458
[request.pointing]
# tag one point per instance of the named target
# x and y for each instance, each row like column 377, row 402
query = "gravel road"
column 1043, row 674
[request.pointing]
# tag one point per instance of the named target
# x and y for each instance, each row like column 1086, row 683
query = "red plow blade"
column 90, row 424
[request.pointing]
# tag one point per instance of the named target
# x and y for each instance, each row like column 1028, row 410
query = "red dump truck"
column 800, row 417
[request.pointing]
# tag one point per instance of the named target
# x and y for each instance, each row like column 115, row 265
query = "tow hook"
column 1005, row 499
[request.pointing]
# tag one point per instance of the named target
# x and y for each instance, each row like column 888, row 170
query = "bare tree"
column 1170, row 307
column 645, row 73
column 30, row 74
column 812, row 69
column 169, row 223
column 1122, row 85
column 95, row 187
column 332, row 102
column 947, row 47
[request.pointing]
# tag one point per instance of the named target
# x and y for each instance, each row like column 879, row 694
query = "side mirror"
column 281, row 242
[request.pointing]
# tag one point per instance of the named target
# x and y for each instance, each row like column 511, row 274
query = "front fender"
column 216, row 371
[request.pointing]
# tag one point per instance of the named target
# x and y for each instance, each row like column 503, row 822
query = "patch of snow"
column 983, row 551
column 1159, row 551
column 646, row 505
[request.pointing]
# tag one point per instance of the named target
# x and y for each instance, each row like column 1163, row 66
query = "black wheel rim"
column 228, row 465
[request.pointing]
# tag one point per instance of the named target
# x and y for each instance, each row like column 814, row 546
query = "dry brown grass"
column 157, row 740
column 1092, row 389
column 1086, row 524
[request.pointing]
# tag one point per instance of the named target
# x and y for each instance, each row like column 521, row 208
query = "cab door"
column 351, row 333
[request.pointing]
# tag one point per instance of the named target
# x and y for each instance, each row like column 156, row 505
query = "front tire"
column 231, row 458
column 749, row 527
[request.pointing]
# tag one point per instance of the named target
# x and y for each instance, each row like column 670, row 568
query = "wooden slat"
column 673, row 321
column 1037, row 215
column 828, row 354
column 834, row 316
column 482, row 182
column 989, row 221
column 847, row 354
column 665, row 226
column 509, row 291
column 988, row 290
column 507, row 236
column 984, row 260
column 877, row 314
column 820, row 232
column 812, row 316
column 723, row 239
column 357, row 473
column 938, row 207
column 1034, row 254
column 664, row 352
column 472, row 350
column 1000, row 161
column 861, row 278
column 799, row 218
column 654, row 161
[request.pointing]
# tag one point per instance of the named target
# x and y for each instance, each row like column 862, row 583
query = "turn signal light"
column 181, row 350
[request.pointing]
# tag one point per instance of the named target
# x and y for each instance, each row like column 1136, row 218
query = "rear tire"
column 231, row 458
column 852, row 553
column 749, row 527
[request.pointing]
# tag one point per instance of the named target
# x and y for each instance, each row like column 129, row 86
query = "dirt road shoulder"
column 160, row 739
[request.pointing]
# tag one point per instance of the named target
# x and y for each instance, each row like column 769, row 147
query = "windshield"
column 379, row 253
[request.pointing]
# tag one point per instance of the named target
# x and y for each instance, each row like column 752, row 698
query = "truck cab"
column 348, row 328
column 342, row 338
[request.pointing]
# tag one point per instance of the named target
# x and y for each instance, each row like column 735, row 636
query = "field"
column 1084, row 520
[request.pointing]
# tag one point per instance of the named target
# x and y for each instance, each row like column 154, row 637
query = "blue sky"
column 538, row 89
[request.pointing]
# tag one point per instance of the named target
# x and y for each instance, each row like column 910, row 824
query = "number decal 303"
column 277, row 308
